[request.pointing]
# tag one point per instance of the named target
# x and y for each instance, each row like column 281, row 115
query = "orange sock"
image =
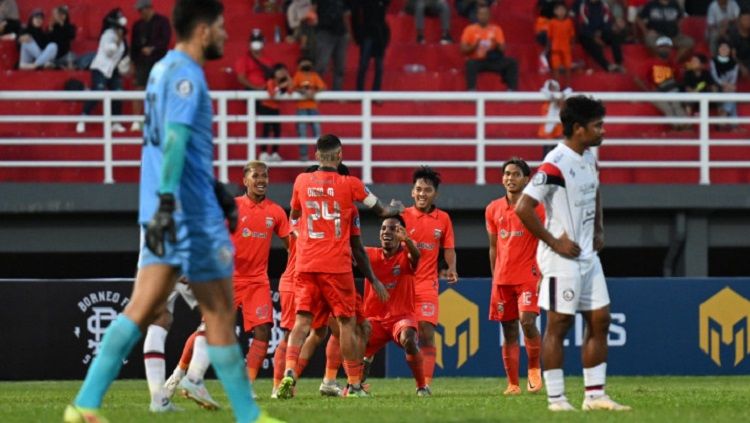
column 416, row 363
column 511, row 354
column 353, row 371
column 255, row 356
column 187, row 350
column 278, row 363
column 333, row 358
column 533, row 348
column 301, row 364
column 292, row 355
column 428, row 354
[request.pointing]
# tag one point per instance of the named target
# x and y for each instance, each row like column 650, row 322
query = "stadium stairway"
column 443, row 71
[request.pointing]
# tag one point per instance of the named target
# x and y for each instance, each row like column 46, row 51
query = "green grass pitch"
column 654, row 399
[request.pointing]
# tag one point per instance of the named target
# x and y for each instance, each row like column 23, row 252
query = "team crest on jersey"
column 396, row 270
column 245, row 232
column 438, row 233
column 428, row 309
column 500, row 308
column 356, row 222
column 261, row 312
column 540, row 178
column 503, row 233
column 184, row 88
column 100, row 309
column 568, row 295
column 269, row 222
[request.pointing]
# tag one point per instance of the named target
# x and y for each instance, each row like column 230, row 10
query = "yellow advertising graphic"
column 455, row 309
column 727, row 310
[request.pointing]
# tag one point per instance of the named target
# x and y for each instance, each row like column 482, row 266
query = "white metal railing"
column 362, row 114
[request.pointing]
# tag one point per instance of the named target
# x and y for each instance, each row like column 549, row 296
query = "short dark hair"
column 428, row 174
column 187, row 14
column 518, row 162
column 582, row 110
column 397, row 217
column 328, row 143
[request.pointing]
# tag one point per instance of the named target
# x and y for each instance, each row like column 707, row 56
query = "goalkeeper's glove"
column 226, row 201
column 161, row 227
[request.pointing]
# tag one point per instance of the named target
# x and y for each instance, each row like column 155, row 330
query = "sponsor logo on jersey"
column 725, row 319
column 460, row 328
column 99, row 309
column 503, row 233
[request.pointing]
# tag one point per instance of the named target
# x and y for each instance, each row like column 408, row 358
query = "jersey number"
column 319, row 209
column 150, row 125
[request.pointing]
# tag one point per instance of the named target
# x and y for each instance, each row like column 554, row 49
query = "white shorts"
column 183, row 290
column 568, row 294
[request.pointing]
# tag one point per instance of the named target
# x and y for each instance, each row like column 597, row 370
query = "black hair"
column 428, row 174
column 397, row 217
column 278, row 66
column 111, row 20
column 328, row 143
column 187, row 14
column 305, row 58
column 518, row 162
column 702, row 58
column 580, row 110
column 342, row 169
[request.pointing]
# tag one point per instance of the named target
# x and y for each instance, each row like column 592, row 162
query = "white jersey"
column 566, row 184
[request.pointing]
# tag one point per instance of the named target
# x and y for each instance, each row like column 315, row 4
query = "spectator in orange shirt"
column 484, row 43
column 308, row 83
column 279, row 84
column 561, row 35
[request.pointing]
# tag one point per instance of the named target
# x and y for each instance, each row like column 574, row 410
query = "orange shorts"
column 254, row 299
column 561, row 59
column 508, row 301
column 288, row 312
column 427, row 306
column 321, row 292
column 384, row 331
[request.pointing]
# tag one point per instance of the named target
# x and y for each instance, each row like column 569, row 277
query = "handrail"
column 365, row 113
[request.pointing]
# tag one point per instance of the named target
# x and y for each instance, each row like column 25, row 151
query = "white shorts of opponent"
column 181, row 290
column 567, row 294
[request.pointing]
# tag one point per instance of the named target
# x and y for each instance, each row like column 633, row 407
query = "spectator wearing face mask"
column 724, row 71
column 662, row 77
column 111, row 61
column 37, row 48
column 307, row 83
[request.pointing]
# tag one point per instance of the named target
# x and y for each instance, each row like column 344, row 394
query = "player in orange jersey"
column 324, row 201
column 395, row 263
column 515, row 276
column 431, row 229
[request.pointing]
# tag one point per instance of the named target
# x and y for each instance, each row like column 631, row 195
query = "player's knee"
column 409, row 341
column 262, row 332
column 426, row 334
column 600, row 324
column 528, row 324
column 510, row 332
column 558, row 324
column 164, row 319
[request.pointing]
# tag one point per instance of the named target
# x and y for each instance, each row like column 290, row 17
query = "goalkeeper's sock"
column 255, row 356
column 199, row 363
column 416, row 364
column 187, row 350
column 511, row 355
column 118, row 341
column 594, row 379
column 428, row 354
column 229, row 367
column 279, row 356
column 533, row 349
column 555, row 382
column 153, row 361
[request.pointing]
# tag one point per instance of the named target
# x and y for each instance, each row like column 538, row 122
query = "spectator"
column 37, row 49
column 278, row 85
column 307, row 83
column 634, row 9
column 62, row 33
column 110, row 62
column 595, row 31
column 420, row 8
column 484, row 44
column 332, row 38
column 724, row 71
column 148, row 44
column 468, row 8
column 739, row 39
column 721, row 15
column 661, row 18
column 662, row 78
column 561, row 36
column 10, row 20
column 371, row 33
column 697, row 79
column 302, row 19
column 541, row 34
column 552, row 128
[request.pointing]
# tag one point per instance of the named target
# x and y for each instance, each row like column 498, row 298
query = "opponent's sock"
column 292, row 355
column 555, row 384
column 301, row 364
column 416, row 364
column 153, row 361
column 200, row 361
column 119, row 339
column 187, row 350
column 511, row 355
column 533, row 350
column 594, row 379
column 229, row 367
column 428, row 354
column 333, row 358
column 279, row 356
column 255, row 356
column 353, row 372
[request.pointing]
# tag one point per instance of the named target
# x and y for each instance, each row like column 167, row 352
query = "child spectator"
column 37, row 48
column 62, row 33
column 720, row 16
column 279, row 84
column 724, row 71
column 697, row 79
column 308, row 83
column 561, row 36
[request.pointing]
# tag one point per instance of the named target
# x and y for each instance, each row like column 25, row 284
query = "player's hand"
column 598, row 241
column 380, row 290
column 565, row 247
column 449, row 275
column 401, row 235
column 161, row 227
column 228, row 206
column 397, row 205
